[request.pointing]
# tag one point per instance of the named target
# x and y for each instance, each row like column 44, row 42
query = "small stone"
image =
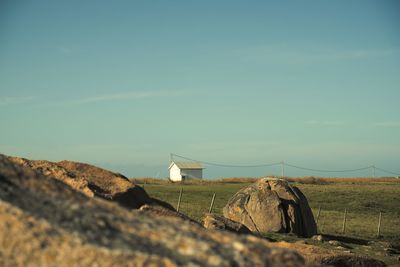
column 338, row 244
column 214, row 221
column 320, row 238
column 101, row 223
column 74, row 206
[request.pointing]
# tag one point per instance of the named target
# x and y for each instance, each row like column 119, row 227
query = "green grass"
column 362, row 199
column 196, row 199
column 363, row 202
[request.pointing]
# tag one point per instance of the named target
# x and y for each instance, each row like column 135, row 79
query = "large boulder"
column 272, row 205
column 104, row 182
column 52, row 169
column 44, row 222
column 94, row 181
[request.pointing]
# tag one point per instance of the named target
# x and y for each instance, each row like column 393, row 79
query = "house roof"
column 186, row 165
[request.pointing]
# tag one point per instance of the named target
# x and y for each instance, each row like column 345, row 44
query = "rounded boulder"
column 272, row 205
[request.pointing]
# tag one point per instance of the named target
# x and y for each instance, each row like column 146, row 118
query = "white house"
column 179, row 171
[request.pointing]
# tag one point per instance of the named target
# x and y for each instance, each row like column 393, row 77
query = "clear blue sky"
column 122, row 84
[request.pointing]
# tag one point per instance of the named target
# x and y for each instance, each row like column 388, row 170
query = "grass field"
column 363, row 199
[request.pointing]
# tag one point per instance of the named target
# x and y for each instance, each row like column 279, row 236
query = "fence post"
column 179, row 199
column 379, row 224
column 212, row 203
column 319, row 212
column 317, row 219
column 344, row 222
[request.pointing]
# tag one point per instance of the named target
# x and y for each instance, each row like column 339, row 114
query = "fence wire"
column 283, row 164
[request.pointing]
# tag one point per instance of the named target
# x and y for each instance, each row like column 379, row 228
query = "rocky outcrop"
column 105, row 182
column 44, row 222
column 217, row 222
column 52, row 169
column 94, row 181
column 272, row 205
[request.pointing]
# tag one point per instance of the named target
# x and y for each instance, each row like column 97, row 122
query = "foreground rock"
column 216, row 222
column 44, row 222
column 103, row 182
column 272, row 205
column 94, row 181
column 48, row 168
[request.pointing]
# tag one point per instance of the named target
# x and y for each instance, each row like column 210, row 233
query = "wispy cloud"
column 285, row 53
column 14, row 100
column 387, row 124
column 325, row 123
column 130, row 95
column 356, row 54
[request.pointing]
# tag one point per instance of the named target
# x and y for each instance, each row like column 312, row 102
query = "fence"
column 372, row 169
column 332, row 223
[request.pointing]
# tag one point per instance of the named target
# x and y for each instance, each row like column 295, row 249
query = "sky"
column 122, row 84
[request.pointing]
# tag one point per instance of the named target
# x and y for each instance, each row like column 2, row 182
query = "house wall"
column 175, row 173
column 192, row 173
